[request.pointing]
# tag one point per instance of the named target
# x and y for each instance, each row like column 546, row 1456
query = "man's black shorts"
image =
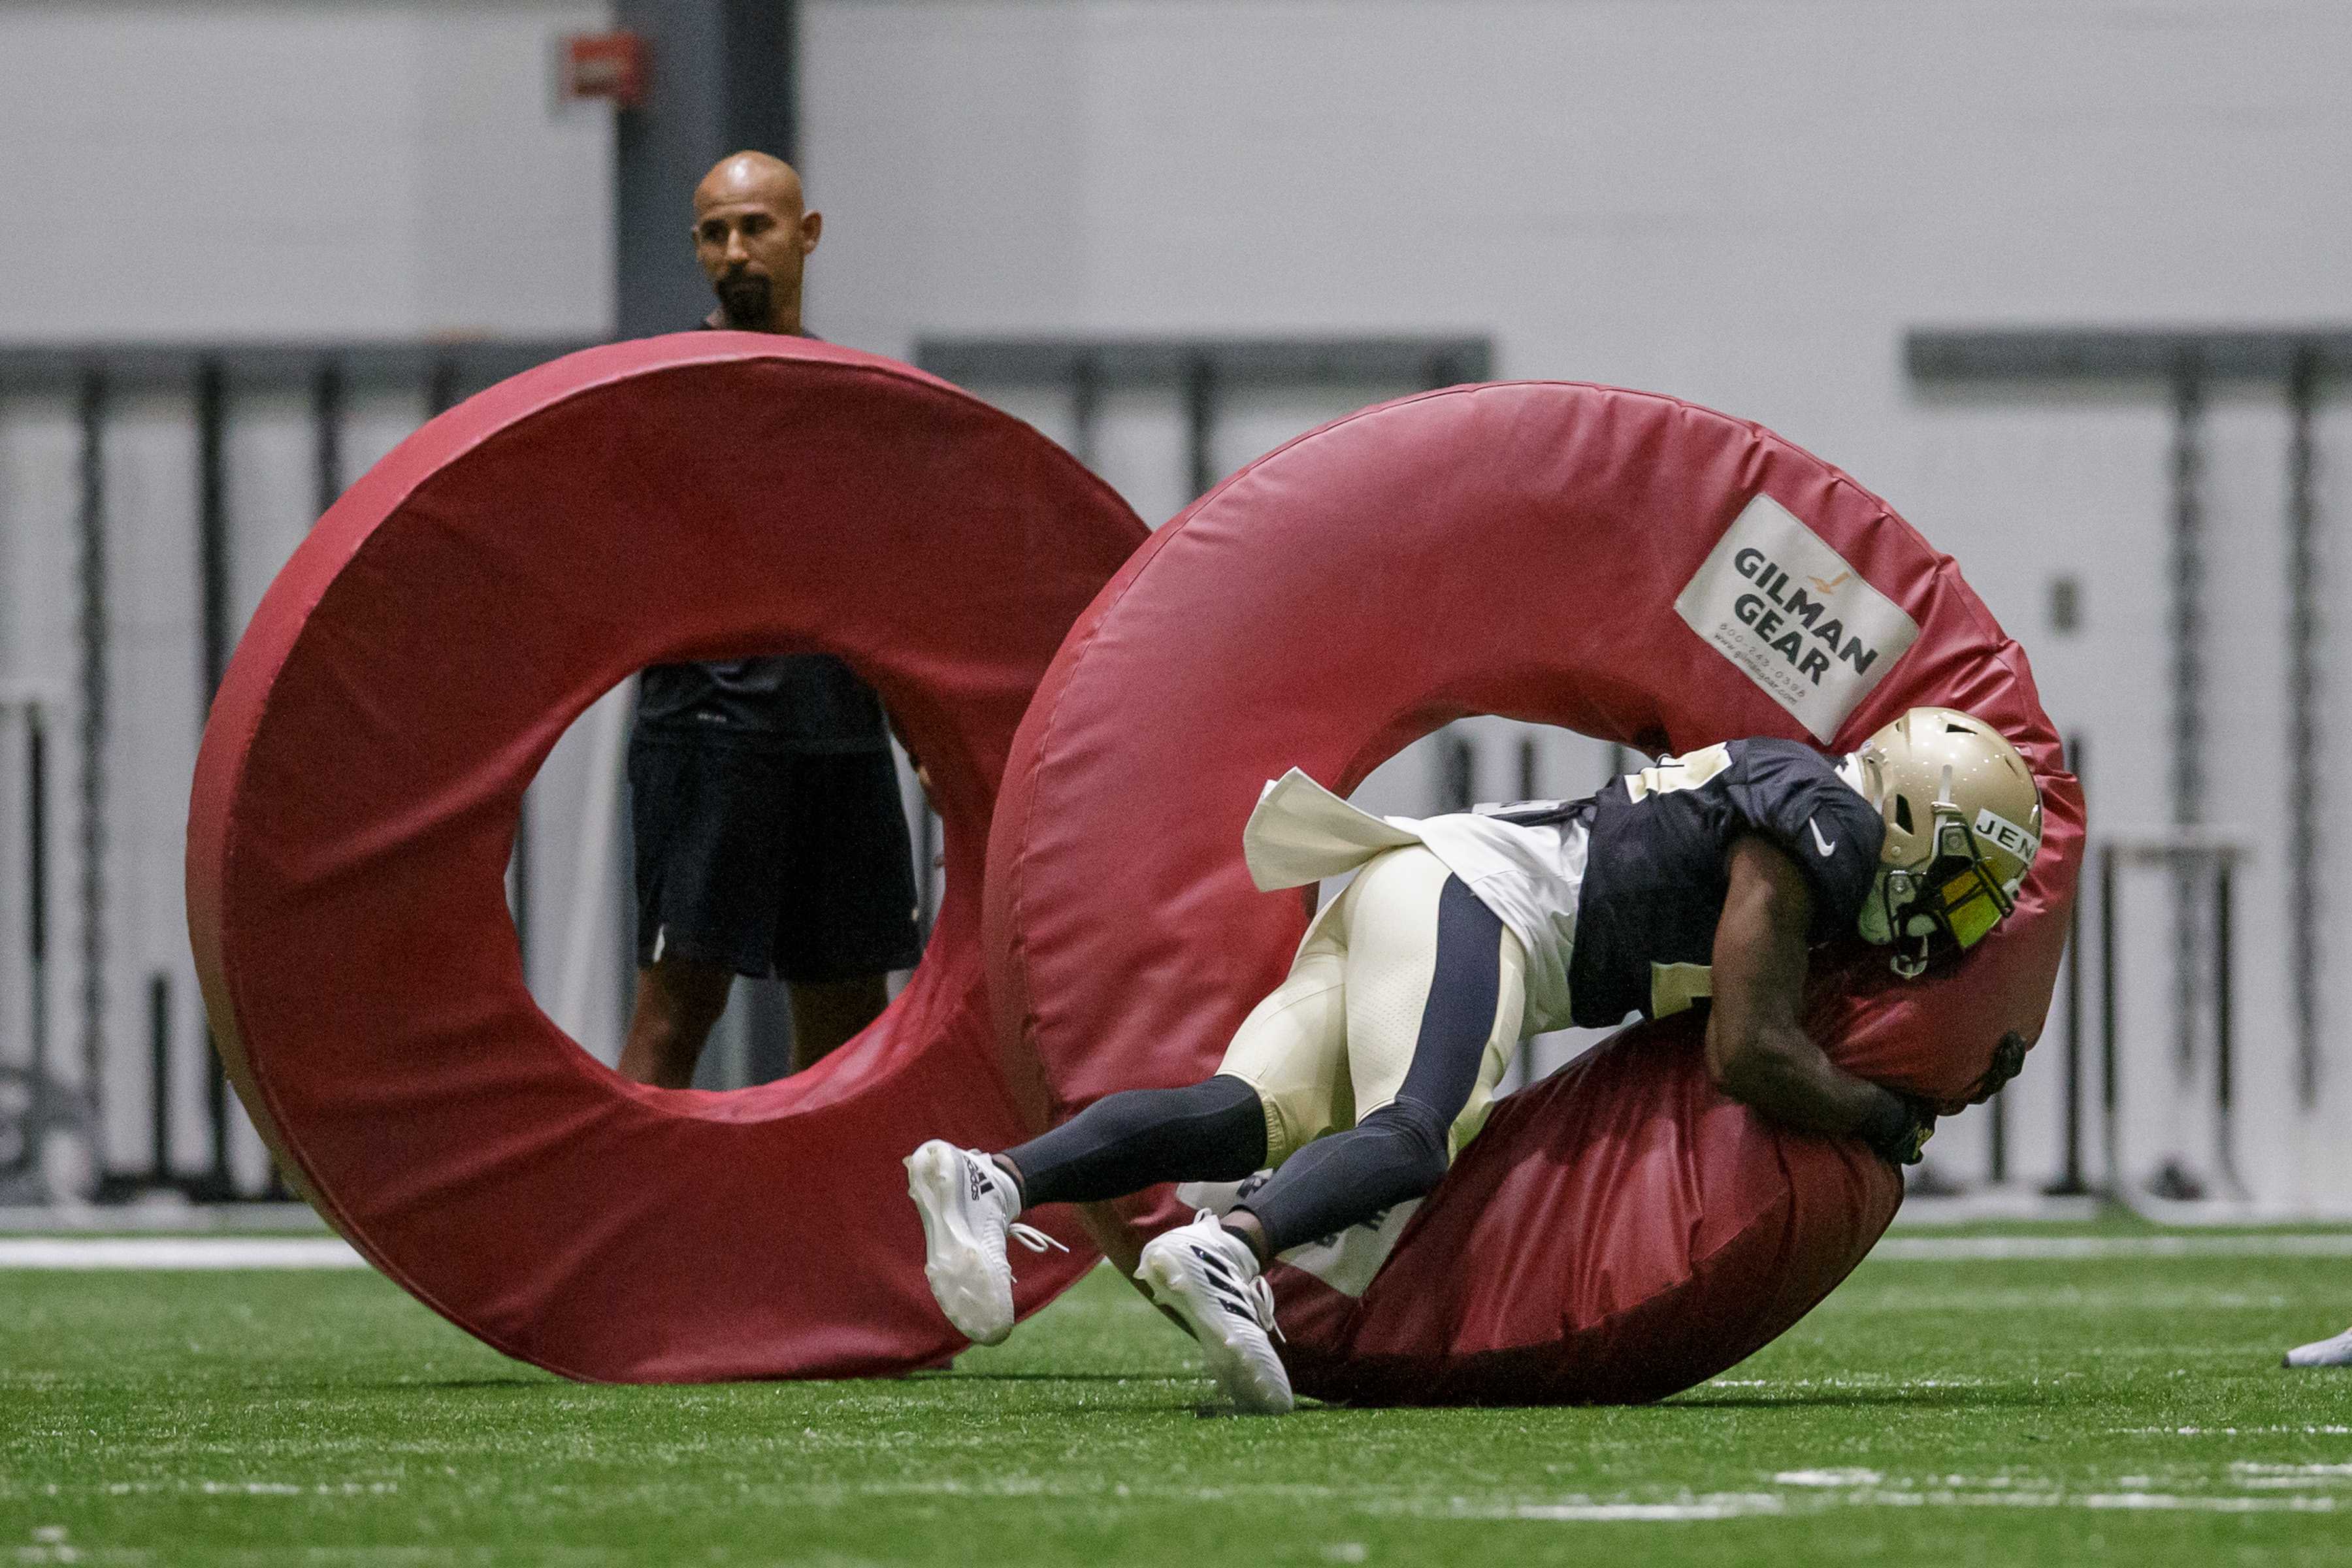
column 794, row 864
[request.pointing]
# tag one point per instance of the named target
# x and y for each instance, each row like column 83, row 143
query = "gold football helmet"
column 1963, row 824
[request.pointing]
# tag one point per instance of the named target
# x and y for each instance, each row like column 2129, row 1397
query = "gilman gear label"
column 1797, row 620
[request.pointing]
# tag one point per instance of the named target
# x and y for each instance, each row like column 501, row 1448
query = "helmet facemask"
column 1963, row 825
column 1949, row 905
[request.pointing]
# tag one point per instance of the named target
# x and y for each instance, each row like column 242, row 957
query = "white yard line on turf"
column 2307, row 1431
column 332, row 1252
column 2074, row 1248
column 177, row 1252
column 1711, row 1506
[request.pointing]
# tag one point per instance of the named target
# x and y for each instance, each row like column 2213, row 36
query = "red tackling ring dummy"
column 703, row 496
column 1621, row 1231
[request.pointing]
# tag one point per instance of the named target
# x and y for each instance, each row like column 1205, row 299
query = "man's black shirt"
column 788, row 702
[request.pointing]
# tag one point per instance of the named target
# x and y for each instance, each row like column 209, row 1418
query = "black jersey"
column 785, row 702
column 1657, row 868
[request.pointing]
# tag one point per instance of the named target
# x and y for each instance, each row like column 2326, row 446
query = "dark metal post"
column 761, row 57
column 2223, row 1066
column 2303, row 777
column 2110, row 1133
column 724, row 79
column 220, row 1181
column 213, row 563
column 1085, row 408
column 93, row 637
column 767, row 1030
column 1199, row 424
column 441, row 387
column 659, row 152
column 2070, row 1179
column 158, row 1067
column 37, row 913
column 212, row 549
column 211, row 522
column 1460, row 782
column 327, row 429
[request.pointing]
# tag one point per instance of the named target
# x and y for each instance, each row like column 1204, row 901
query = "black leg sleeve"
column 1397, row 1152
column 1122, row 1144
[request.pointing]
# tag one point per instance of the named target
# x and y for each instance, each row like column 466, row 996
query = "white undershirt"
column 1528, row 875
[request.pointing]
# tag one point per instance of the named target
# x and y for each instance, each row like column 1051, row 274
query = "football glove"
column 2008, row 1060
column 1898, row 1132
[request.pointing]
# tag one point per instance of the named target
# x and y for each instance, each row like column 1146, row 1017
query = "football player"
column 1707, row 876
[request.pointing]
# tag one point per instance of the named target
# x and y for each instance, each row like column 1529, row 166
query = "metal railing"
column 208, row 381
column 2184, row 367
column 1200, row 372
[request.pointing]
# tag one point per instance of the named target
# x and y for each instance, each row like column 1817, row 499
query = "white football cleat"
column 968, row 1202
column 1210, row 1278
column 2337, row 1351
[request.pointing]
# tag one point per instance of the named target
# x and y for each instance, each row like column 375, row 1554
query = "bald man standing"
column 769, row 839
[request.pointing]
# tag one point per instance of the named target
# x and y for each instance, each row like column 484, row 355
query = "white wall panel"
column 279, row 170
column 1743, row 203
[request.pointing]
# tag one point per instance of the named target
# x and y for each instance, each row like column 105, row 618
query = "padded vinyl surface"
column 705, row 495
column 1512, row 549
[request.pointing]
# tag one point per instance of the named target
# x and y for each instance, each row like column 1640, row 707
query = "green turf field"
column 2109, row 1410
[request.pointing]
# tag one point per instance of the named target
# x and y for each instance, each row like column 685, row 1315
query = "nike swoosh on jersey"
column 1827, row 847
